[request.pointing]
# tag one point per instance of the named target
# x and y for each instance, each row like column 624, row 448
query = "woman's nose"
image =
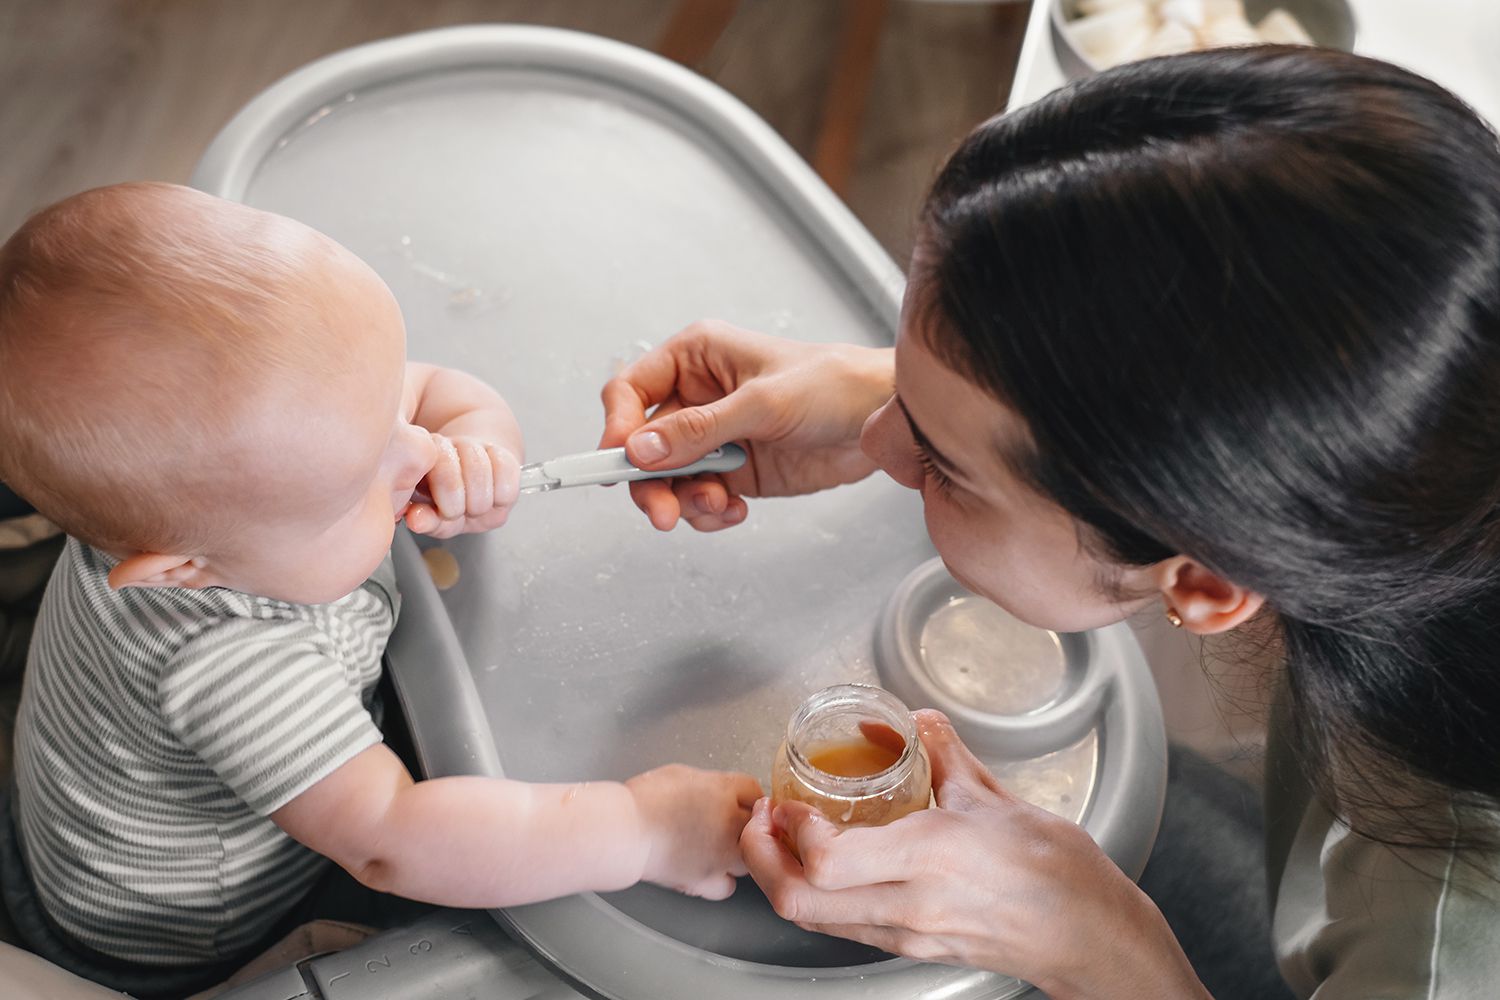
column 887, row 440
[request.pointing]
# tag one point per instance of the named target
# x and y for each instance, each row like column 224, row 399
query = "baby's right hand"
column 472, row 486
column 692, row 821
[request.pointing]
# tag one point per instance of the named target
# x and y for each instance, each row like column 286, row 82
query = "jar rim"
column 883, row 704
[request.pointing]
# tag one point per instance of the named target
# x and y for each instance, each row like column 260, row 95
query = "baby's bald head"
column 153, row 340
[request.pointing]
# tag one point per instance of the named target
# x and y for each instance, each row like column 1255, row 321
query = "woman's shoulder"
column 1356, row 917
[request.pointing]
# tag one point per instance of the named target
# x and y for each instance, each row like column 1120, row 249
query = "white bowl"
column 1329, row 22
column 1022, row 723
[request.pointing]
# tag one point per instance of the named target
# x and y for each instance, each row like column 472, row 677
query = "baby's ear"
column 153, row 569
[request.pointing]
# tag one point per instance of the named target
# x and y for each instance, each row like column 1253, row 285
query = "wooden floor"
column 96, row 91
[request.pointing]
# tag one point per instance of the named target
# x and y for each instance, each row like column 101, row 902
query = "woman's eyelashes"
column 935, row 475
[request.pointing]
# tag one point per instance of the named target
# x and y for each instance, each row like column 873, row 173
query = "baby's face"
column 342, row 446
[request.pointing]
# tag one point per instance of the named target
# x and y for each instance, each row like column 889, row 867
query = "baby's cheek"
column 369, row 547
column 384, row 531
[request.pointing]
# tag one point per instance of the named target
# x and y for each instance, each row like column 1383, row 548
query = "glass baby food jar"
column 852, row 752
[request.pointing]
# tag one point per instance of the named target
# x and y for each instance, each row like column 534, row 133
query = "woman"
column 1219, row 333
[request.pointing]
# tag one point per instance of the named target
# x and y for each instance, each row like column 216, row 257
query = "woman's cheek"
column 976, row 554
column 947, row 531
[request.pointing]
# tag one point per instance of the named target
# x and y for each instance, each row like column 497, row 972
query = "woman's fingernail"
column 649, row 447
column 931, row 717
column 778, row 816
column 734, row 515
column 703, row 503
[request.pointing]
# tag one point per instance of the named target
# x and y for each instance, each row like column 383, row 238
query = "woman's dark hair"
column 1248, row 304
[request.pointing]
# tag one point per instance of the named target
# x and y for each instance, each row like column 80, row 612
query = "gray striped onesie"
column 158, row 729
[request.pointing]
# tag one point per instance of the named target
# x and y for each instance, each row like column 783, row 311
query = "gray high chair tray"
column 544, row 204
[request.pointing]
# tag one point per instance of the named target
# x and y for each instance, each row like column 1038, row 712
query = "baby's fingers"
column 485, row 522
column 715, row 887
column 478, row 477
column 424, row 520
column 747, row 791
column 445, row 481
column 506, row 470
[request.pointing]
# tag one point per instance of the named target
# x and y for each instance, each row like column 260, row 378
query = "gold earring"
column 1174, row 617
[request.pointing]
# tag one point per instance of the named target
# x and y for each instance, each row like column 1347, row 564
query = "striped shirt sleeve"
column 265, row 708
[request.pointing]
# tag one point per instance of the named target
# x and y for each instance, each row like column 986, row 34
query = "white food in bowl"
column 1279, row 26
column 1115, row 34
column 1111, row 32
column 1171, row 39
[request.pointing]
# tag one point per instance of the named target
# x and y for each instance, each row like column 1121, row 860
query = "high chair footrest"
column 450, row 955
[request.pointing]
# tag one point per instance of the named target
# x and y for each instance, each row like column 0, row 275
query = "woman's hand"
column 983, row 880
column 798, row 408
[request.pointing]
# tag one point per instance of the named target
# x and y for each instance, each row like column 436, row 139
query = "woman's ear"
column 155, row 569
column 1206, row 602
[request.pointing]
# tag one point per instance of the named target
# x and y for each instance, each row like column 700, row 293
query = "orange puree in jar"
column 855, row 759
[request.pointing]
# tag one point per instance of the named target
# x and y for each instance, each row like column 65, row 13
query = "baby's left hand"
column 471, row 487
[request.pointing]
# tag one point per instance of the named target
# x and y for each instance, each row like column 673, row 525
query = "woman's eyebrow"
column 925, row 444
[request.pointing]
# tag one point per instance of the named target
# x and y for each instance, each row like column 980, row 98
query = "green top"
column 1352, row 919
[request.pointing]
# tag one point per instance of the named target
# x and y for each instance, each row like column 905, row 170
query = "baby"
column 214, row 403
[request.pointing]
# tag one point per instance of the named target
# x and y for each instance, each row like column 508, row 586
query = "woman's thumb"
column 956, row 772
column 686, row 435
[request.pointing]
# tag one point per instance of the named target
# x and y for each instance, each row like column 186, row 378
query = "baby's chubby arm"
column 488, row 842
column 476, row 477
